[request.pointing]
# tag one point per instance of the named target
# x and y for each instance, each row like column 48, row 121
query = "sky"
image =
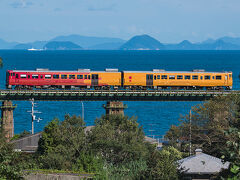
column 169, row 21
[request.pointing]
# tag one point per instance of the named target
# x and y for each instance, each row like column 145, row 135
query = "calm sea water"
column 155, row 117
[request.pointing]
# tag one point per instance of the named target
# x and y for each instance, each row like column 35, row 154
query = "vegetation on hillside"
column 115, row 147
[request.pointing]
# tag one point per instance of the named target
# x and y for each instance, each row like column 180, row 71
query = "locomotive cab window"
column 187, row 77
column 48, row 76
column 71, row 76
column 207, row 77
column 171, row 77
column 63, row 76
column 230, row 75
column 23, row 76
column 55, row 76
column 179, row 77
column 35, row 76
column 195, row 77
column 218, row 77
column 164, row 76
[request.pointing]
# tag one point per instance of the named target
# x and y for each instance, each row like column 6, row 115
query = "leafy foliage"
column 209, row 121
column 231, row 153
column 163, row 164
column 118, row 139
column 1, row 63
column 9, row 166
column 62, row 143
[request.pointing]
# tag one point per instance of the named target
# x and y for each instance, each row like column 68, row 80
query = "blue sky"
column 166, row 20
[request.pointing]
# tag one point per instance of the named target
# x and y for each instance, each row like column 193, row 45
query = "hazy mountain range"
column 141, row 42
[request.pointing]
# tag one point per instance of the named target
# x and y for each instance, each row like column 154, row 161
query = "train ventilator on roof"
column 111, row 70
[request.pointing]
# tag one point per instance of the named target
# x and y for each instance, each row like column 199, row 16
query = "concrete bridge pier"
column 114, row 107
column 7, row 118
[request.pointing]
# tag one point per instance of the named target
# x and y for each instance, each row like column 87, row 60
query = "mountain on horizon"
column 62, row 45
column 142, row 42
column 7, row 45
column 86, row 41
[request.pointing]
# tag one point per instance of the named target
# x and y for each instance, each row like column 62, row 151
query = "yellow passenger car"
column 196, row 79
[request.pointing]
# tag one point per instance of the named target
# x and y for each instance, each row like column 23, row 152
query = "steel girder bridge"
column 112, row 95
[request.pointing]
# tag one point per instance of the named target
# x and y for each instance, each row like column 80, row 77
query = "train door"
column 149, row 78
column 94, row 80
column 226, row 79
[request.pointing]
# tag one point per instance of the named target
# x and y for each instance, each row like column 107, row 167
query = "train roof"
column 116, row 71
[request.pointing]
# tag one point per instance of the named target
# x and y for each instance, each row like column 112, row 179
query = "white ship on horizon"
column 33, row 49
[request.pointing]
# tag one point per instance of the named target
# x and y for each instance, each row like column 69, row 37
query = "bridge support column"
column 7, row 118
column 114, row 107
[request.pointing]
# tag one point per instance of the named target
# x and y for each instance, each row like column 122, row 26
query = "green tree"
column 118, row 139
column 62, row 143
column 1, row 63
column 163, row 164
column 9, row 166
column 209, row 121
column 231, row 153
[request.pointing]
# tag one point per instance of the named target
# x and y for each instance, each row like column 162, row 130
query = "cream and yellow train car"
column 196, row 79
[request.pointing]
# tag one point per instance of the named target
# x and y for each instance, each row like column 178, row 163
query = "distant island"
column 64, row 45
column 139, row 42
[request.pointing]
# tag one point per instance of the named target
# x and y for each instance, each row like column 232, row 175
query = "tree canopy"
column 118, row 139
column 1, row 63
column 209, row 121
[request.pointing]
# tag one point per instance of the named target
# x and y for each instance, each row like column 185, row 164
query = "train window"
column 29, row 76
column 218, row 77
column 187, row 77
column 164, row 76
column 34, row 76
column 230, row 75
column 71, row 76
column 155, row 77
column 63, row 76
column 17, row 76
column 171, row 77
column 207, row 77
column 89, row 77
column 47, row 76
column 13, row 74
column 23, row 76
column 85, row 77
column 158, row 76
column 80, row 76
column 212, row 77
column 94, row 76
column 195, row 77
column 179, row 77
column 201, row 77
column 55, row 76
column 10, row 74
column 41, row 76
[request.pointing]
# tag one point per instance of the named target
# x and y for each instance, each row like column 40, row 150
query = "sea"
column 154, row 117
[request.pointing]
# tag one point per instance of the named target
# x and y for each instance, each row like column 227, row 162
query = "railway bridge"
column 114, row 98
